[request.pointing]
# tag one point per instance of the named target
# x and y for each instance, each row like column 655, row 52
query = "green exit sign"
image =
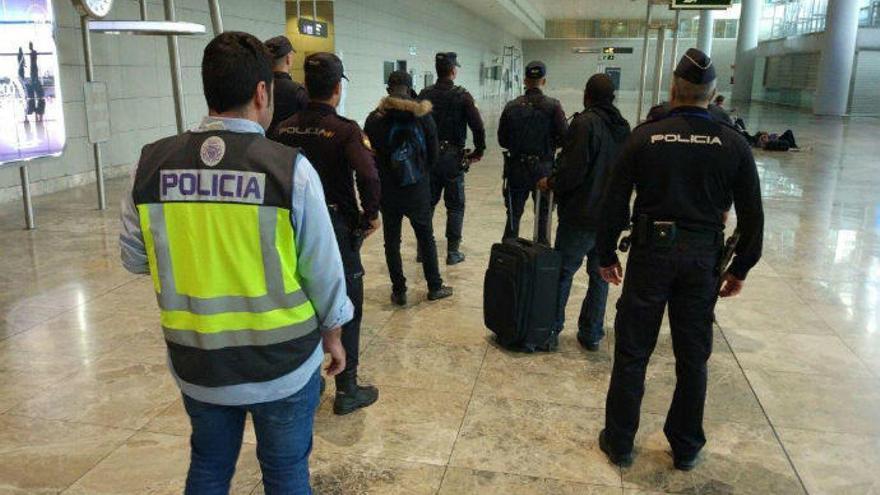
column 701, row 4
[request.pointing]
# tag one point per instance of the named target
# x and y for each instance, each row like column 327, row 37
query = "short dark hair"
column 233, row 64
column 320, row 87
column 444, row 71
column 688, row 92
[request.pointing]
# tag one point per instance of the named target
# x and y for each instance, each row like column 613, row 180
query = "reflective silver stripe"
column 160, row 244
column 271, row 258
column 230, row 304
column 276, row 298
column 240, row 338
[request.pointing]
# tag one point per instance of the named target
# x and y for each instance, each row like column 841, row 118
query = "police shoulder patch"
column 212, row 151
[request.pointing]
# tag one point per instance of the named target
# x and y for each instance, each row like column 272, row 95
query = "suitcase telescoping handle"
column 539, row 195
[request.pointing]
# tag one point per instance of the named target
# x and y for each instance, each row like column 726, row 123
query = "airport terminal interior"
column 87, row 403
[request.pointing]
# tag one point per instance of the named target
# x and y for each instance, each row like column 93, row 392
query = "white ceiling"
column 594, row 9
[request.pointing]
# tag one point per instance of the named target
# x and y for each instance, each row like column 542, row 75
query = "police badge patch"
column 212, row 151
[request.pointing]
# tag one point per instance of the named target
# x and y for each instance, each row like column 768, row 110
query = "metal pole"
column 315, row 10
column 176, row 78
column 297, row 11
column 675, row 35
column 644, row 77
column 26, row 197
column 216, row 18
column 658, row 65
column 90, row 77
column 143, row 10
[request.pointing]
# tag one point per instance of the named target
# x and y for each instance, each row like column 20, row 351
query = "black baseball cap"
column 695, row 67
column 400, row 78
column 325, row 65
column 536, row 70
column 446, row 59
column 279, row 46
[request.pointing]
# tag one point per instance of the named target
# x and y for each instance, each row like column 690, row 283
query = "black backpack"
column 409, row 152
column 530, row 123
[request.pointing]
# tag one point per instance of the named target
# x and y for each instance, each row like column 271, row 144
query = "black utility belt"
column 527, row 159
column 450, row 146
column 659, row 233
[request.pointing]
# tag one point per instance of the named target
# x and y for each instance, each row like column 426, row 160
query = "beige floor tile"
column 533, row 438
column 442, row 321
column 561, row 378
column 353, row 475
column 405, row 424
column 467, row 481
column 728, row 397
column 815, row 402
column 836, row 463
column 795, row 353
column 738, row 458
column 766, row 315
column 109, row 393
column 40, row 456
column 157, row 464
column 422, row 364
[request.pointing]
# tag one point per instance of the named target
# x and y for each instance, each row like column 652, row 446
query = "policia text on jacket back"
column 688, row 169
column 531, row 128
column 234, row 231
column 337, row 148
column 454, row 111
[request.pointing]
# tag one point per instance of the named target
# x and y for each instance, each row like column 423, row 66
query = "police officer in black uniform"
column 454, row 111
column 532, row 127
column 687, row 169
column 340, row 153
column 289, row 96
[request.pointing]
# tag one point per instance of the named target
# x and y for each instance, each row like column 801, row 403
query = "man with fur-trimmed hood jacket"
column 396, row 114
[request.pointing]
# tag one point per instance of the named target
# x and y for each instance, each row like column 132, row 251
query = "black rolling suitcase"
column 520, row 291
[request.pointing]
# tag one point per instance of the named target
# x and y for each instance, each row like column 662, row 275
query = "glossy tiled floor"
column 87, row 406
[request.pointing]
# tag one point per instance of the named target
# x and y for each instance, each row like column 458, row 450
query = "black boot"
column 453, row 255
column 350, row 396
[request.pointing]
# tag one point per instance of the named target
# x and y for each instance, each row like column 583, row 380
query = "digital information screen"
column 31, row 111
column 309, row 27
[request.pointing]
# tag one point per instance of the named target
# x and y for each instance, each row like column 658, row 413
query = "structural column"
column 746, row 48
column 706, row 32
column 838, row 57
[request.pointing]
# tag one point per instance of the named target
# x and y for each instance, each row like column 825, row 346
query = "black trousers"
column 449, row 184
column 515, row 201
column 684, row 278
column 349, row 248
column 414, row 203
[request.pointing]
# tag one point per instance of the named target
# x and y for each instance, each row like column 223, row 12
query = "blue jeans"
column 284, row 442
column 574, row 244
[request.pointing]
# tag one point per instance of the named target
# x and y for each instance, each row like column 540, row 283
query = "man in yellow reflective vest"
column 234, row 230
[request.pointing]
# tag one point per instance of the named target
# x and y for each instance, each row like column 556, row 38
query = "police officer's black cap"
column 446, row 59
column 279, row 46
column 696, row 67
column 536, row 70
column 325, row 65
column 400, row 78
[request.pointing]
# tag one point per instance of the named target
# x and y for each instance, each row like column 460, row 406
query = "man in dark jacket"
column 338, row 150
column 289, row 95
column 588, row 153
column 531, row 128
column 399, row 111
column 454, row 111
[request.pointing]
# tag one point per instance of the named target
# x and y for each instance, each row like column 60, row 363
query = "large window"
column 785, row 18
